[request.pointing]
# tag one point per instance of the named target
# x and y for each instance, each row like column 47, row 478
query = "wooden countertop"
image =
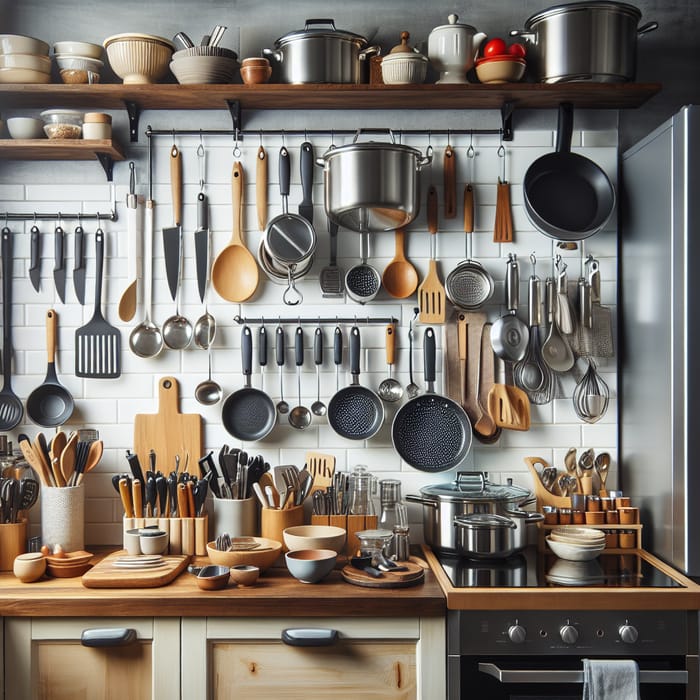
column 276, row 593
column 574, row 597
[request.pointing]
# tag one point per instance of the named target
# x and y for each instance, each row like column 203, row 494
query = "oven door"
column 556, row 678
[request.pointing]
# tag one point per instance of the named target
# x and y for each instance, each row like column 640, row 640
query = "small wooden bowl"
column 255, row 75
column 245, row 575
column 212, row 577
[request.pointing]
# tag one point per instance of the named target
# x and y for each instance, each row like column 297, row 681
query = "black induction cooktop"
column 533, row 569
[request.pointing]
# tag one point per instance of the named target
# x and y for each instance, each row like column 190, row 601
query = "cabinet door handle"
column 309, row 636
column 108, row 637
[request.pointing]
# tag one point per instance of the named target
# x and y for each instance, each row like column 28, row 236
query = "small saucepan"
column 567, row 196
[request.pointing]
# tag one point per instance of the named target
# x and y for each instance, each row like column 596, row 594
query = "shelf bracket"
column 507, row 120
column 234, row 106
column 107, row 163
column 134, row 112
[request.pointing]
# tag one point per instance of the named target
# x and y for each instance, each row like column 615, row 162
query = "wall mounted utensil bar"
column 62, row 216
column 318, row 320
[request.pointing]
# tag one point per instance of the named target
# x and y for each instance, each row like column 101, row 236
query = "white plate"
column 564, row 550
column 587, row 533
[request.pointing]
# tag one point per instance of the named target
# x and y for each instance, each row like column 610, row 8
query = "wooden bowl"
column 67, row 570
column 212, row 577
column 263, row 557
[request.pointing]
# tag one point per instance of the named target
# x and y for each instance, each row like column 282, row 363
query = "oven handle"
column 544, row 676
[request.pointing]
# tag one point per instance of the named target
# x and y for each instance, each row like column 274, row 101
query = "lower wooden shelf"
column 58, row 149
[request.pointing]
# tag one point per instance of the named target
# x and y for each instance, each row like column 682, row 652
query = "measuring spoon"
column 300, row 416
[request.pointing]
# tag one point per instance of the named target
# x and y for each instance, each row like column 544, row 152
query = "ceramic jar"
column 452, row 49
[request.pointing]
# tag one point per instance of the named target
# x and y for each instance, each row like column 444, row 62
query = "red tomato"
column 495, row 47
column 517, row 50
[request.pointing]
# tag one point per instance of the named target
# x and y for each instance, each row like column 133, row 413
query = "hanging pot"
column 373, row 186
column 320, row 53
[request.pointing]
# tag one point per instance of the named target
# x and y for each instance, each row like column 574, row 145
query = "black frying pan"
column 431, row 432
column 50, row 404
column 355, row 412
column 567, row 196
column 248, row 414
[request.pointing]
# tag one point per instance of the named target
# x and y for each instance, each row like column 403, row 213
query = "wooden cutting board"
column 388, row 579
column 169, row 432
column 105, row 575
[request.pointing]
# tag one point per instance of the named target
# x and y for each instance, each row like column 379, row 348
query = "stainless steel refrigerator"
column 659, row 386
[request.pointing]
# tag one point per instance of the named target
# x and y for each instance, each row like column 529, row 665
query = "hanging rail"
column 316, row 132
column 61, row 215
column 318, row 320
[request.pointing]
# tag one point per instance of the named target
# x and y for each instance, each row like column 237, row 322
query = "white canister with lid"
column 452, row 49
column 97, row 126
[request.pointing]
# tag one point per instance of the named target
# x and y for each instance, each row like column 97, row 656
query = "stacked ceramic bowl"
column 204, row 64
column 24, row 59
column 78, row 61
column 139, row 58
column 576, row 543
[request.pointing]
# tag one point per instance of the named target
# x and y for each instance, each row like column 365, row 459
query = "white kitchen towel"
column 605, row 679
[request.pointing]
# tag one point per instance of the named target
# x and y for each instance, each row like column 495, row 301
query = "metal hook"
column 236, row 148
column 260, row 137
column 501, row 152
column 448, row 138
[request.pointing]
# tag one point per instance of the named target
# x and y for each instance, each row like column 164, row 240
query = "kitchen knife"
column 126, row 498
column 79, row 263
column 151, row 497
column 306, row 208
column 162, row 490
column 35, row 252
column 135, row 465
column 137, row 497
column 59, row 270
column 201, row 244
column 129, row 298
column 172, row 235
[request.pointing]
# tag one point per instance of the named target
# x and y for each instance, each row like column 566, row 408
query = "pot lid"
column 327, row 31
column 583, row 6
column 454, row 24
column 474, row 486
column 370, row 146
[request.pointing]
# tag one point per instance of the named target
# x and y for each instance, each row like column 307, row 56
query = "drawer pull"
column 108, row 637
column 309, row 637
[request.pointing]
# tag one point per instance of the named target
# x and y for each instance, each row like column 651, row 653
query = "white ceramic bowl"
column 218, row 51
column 155, row 542
column 18, row 43
column 139, row 58
column 573, row 552
column 584, row 535
column 203, row 69
column 404, row 68
column 29, row 567
column 77, row 48
column 79, row 69
column 26, row 61
column 26, row 128
column 314, row 537
column 24, row 75
column 310, row 565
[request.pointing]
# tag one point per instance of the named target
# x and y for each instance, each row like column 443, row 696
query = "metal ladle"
column 204, row 330
column 208, row 392
column 318, row 408
column 390, row 390
column 299, row 416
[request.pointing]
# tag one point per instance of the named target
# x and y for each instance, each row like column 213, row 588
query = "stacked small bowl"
column 24, row 59
column 204, row 64
column 576, row 543
column 78, row 61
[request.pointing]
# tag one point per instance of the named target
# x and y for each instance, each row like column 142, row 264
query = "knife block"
column 13, row 542
column 351, row 524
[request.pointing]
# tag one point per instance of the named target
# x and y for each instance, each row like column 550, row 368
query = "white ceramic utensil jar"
column 452, row 49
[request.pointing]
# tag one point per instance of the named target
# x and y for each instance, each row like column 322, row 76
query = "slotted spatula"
column 97, row 343
column 431, row 293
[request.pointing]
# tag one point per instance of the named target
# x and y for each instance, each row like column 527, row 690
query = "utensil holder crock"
column 63, row 517
column 237, row 516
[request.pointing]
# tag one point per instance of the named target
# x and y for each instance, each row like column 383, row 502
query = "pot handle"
column 369, row 51
column 360, row 130
column 424, row 501
column 330, row 22
column 427, row 159
column 277, row 55
column 475, row 520
column 527, row 516
column 467, row 478
column 646, row 28
column 523, row 33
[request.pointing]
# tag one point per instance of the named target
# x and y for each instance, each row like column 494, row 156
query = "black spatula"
column 97, row 343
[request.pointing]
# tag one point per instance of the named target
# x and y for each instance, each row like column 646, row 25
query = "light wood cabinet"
column 45, row 660
column 380, row 658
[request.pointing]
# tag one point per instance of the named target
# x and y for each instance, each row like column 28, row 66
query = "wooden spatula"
column 322, row 467
column 431, row 292
column 508, row 405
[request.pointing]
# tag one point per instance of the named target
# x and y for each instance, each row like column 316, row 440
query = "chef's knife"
column 172, row 235
column 35, row 252
column 79, row 263
column 306, row 208
column 201, row 244
column 59, row 270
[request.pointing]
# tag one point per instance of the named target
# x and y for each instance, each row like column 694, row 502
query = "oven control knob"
column 628, row 633
column 517, row 634
column 568, row 634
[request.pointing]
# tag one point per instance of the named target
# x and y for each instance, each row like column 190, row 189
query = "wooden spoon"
column 68, row 455
column 400, row 278
column 235, row 270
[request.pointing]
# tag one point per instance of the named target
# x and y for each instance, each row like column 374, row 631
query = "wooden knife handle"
column 137, row 498
column 191, row 507
column 176, row 183
column 390, row 335
column 126, row 498
column 182, row 501
column 261, row 188
column 450, row 182
column 468, row 209
column 432, row 209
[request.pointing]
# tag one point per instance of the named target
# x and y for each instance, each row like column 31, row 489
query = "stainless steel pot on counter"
column 373, row 186
column 583, row 41
column 448, row 525
column 320, row 53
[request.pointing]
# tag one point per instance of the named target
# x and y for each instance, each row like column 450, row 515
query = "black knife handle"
column 246, row 351
column 78, row 247
column 58, row 247
column 284, row 171
column 280, row 346
column 355, row 351
column 338, row 346
column 202, row 211
column 299, row 346
column 135, row 466
column 306, row 167
column 429, row 355
column 262, row 346
column 35, row 246
column 318, row 346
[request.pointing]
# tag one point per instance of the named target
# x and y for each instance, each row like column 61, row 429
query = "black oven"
column 537, row 655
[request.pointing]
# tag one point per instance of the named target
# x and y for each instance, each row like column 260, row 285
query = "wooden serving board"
column 169, row 432
column 106, row 575
column 388, row 579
